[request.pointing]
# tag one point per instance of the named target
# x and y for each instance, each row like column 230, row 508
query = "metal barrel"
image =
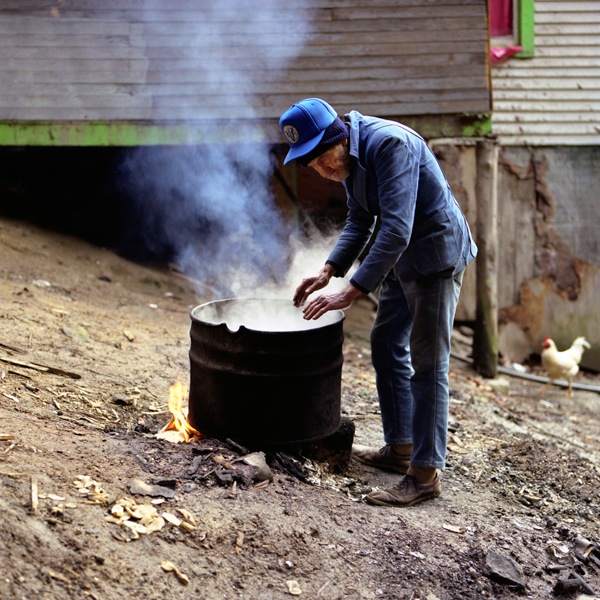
column 264, row 388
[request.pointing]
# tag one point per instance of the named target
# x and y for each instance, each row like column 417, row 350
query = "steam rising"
column 259, row 314
column 209, row 208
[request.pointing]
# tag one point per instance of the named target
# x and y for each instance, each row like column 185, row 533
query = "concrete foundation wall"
column 549, row 250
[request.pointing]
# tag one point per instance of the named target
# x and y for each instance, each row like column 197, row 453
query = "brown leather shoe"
column 408, row 492
column 382, row 458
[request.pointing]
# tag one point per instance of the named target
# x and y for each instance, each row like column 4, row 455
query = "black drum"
column 262, row 375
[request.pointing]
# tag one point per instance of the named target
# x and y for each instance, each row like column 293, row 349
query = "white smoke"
column 260, row 314
column 308, row 255
column 210, row 207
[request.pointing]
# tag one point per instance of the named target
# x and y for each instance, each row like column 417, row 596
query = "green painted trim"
column 116, row 133
column 123, row 133
column 526, row 28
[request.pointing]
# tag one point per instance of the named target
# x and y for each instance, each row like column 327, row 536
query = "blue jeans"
column 410, row 345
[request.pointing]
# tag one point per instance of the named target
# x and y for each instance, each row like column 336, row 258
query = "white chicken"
column 563, row 364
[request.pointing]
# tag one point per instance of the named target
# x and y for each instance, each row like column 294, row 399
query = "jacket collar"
column 354, row 119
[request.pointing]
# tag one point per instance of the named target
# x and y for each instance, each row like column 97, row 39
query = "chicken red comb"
column 546, row 339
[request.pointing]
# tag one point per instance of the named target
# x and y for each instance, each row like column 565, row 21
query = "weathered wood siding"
column 157, row 60
column 553, row 98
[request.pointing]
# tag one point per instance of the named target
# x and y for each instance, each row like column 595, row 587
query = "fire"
column 178, row 428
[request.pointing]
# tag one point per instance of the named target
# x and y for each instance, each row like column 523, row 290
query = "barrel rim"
column 338, row 316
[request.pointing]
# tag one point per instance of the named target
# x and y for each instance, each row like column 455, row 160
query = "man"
column 417, row 259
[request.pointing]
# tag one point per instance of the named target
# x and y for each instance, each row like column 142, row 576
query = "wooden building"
column 552, row 98
column 108, row 72
column 92, row 75
column 546, row 117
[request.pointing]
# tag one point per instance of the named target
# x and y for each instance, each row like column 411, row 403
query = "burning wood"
column 178, row 428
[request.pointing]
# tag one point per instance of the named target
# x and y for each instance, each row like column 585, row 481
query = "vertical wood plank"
column 485, row 341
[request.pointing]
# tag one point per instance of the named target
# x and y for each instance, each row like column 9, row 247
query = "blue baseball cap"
column 304, row 125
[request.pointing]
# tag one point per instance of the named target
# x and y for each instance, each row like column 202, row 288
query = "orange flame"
column 178, row 428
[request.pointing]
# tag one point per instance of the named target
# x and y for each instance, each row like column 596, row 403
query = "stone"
column 503, row 569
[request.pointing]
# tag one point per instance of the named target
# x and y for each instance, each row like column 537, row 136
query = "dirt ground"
column 90, row 346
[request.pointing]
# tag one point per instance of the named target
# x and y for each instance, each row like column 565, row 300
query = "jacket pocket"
column 435, row 247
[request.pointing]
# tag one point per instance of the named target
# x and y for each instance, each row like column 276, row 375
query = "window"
column 511, row 29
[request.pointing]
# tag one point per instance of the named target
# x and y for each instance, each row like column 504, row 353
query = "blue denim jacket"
column 396, row 179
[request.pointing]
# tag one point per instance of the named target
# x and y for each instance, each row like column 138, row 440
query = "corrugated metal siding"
column 156, row 60
column 553, row 98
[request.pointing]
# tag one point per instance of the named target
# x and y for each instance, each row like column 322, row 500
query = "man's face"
column 333, row 164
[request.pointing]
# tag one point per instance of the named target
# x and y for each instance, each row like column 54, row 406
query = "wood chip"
column 187, row 515
column 58, row 577
column 239, row 542
column 155, row 525
column 34, row 494
column 6, row 437
column 531, row 497
column 171, row 519
column 453, row 528
column 293, row 587
column 168, row 566
column 135, row 526
column 456, row 439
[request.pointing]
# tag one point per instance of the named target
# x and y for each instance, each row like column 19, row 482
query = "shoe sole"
column 417, row 500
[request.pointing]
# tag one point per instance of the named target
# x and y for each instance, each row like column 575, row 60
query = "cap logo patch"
column 291, row 134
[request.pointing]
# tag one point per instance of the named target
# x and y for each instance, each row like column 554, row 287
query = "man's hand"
column 319, row 306
column 312, row 284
